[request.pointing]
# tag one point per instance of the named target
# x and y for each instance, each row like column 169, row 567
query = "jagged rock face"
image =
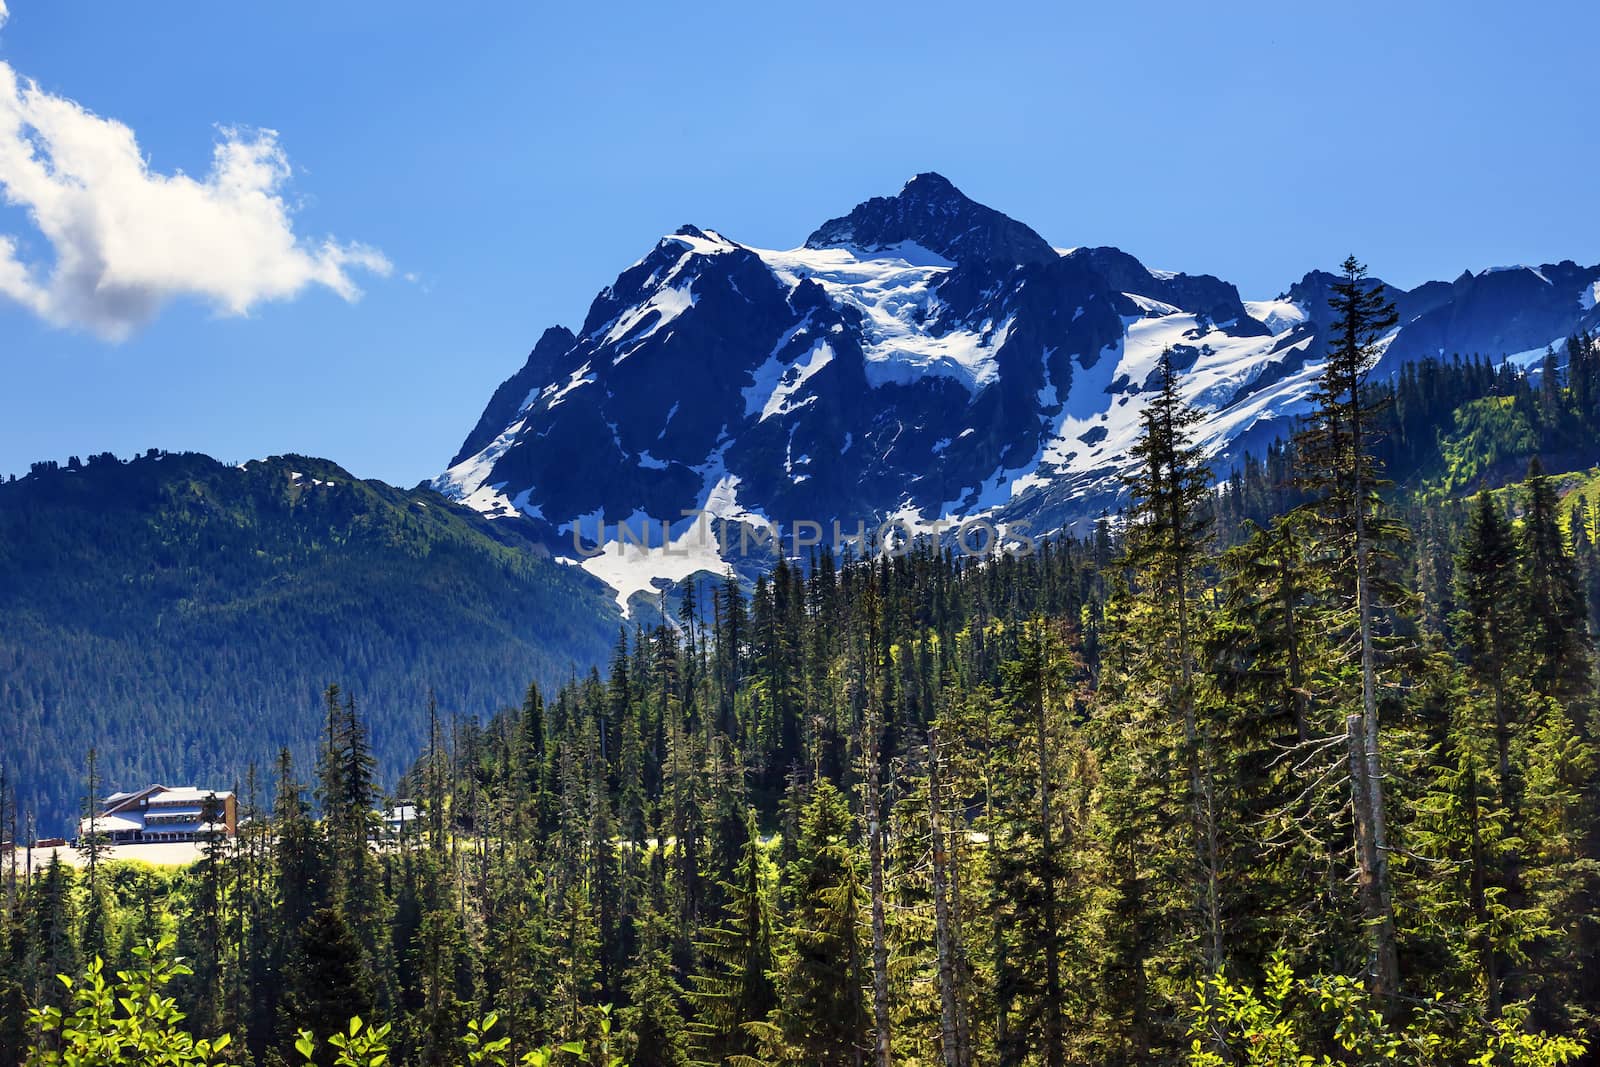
column 1498, row 312
column 934, row 214
column 1201, row 294
column 514, row 392
column 923, row 356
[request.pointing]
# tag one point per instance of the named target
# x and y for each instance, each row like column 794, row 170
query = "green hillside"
column 183, row 616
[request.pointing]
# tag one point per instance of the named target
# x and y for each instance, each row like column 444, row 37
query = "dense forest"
column 1300, row 768
column 178, row 612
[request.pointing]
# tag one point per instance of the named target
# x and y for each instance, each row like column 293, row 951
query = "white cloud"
column 126, row 239
column 4, row 14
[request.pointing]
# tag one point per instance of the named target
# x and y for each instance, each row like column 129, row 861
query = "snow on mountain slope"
column 1276, row 315
column 896, row 291
column 922, row 358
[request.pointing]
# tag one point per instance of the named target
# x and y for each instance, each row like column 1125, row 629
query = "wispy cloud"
column 125, row 239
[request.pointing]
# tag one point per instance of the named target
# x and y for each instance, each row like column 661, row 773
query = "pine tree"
column 1168, row 530
column 1559, row 864
column 201, row 934
column 1336, row 451
column 94, row 846
column 1561, row 666
column 1490, row 620
column 735, row 987
column 1470, row 925
column 1042, row 824
column 1281, row 754
column 822, row 1013
column 652, row 1024
column 326, row 981
column 872, row 810
column 438, row 954
column 50, row 918
column 954, row 1042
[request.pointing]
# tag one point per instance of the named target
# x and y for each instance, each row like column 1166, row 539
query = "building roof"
column 119, row 801
column 401, row 813
column 163, row 796
column 187, row 794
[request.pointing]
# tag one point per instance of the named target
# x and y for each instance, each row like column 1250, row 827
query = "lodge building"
column 158, row 813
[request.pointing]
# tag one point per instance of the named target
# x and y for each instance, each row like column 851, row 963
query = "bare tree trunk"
column 949, row 1005
column 1200, row 787
column 1052, row 960
column 1377, row 893
column 1002, row 1019
column 963, row 966
column 880, row 945
column 1480, row 904
column 1296, row 675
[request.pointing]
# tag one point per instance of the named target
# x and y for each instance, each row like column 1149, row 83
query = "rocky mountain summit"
column 920, row 358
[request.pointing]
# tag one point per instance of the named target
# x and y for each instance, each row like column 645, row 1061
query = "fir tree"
column 822, row 1014
column 734, row 987
column 326, row 980
column 1337, row 453
column 1559, row 638
column 1489, row 621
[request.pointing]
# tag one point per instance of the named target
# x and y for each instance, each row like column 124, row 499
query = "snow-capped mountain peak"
column 934, row 214
column 922, row 357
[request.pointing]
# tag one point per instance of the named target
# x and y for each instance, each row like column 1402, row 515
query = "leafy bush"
column 130, row 1022
column 126, row 1023
column 1332, row 1022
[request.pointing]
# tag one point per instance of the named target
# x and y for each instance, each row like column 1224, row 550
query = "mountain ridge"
column 922, row 357
column 183, row 615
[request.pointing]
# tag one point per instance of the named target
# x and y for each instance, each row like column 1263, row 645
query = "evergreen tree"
column 326, row 981
column 1337, row 453
column 1560, row 639
column 734, row 987
column 822, row 1014
column 652, row 1024
column 1168, row 530
column 1490, row 620
column 1042, row 829
column 94, row 845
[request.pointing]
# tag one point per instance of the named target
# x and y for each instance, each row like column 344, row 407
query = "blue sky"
column 507, row 164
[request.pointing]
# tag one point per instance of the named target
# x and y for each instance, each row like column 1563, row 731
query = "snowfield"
column 894, row 290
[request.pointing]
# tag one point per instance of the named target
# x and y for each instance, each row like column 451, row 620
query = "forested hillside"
column 1301, row 771
column 183, row 616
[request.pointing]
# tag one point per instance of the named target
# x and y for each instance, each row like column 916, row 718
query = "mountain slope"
column 183, row 616
column 920, row 358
